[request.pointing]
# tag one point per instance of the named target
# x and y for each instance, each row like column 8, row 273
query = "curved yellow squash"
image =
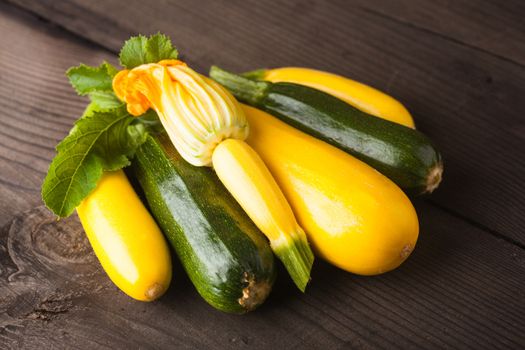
column 125, row 238
column 361, row 96
column 354, row 217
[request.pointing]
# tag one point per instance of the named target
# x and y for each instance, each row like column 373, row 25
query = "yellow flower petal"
column 196, row 112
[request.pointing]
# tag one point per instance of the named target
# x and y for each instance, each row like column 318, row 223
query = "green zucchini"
column 404, row 155
column 226, row 257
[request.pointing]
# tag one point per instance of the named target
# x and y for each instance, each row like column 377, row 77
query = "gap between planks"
column 474, row 223
column 440, row 35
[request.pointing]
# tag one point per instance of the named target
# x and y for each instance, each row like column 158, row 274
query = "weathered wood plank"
column 38, row 105
column 492, row 26
column 468, row 101
column 460, row 289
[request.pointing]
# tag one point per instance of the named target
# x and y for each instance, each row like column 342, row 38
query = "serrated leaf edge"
column 102, row 131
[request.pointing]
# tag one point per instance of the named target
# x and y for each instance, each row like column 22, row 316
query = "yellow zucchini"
column 244, row 174
column 354, row 217
column 125, row 238
column 359, row 95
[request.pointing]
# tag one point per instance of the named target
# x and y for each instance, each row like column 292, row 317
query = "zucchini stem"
column 297, row 257
column 257, row 74
column 244, row 89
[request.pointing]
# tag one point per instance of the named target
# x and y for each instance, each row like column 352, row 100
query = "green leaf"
column 86, row 79
column 141, row 50
column 90, row 109
column 133, row 53
column 104, row 100
column 100, row 141
column 158, row 48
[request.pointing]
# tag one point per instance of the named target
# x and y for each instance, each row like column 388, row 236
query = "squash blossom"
column 196, row 112
column 208, row 127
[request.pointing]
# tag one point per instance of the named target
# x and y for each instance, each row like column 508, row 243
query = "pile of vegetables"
column 232, row 170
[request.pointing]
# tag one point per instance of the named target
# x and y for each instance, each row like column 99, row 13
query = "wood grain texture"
column 468, row 101
column 495, row 27
column 460, row 289
column 491, row 26
column 37, row 105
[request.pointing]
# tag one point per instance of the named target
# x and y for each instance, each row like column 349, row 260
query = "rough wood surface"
column 495, row 27
column 492, row 26
column 462, row 288
column 467, row 99
column 456, row 291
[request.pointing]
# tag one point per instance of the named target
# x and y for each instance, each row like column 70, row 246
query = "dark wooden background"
column 459, row 66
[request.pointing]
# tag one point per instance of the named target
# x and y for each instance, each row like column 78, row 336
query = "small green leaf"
column 86, row 79
column 141, row 50
column 100, row 141
column 133, row 53
column 158, row 48
column 104, row 100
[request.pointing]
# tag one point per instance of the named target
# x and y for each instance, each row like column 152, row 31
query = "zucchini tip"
column 434, row 178
column 254, row 293
column 154, row 291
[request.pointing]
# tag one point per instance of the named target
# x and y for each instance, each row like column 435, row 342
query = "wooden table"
column 459, row 66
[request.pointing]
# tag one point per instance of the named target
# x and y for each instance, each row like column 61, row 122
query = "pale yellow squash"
column 359, row 95
column 354, row 217
column 125, row 238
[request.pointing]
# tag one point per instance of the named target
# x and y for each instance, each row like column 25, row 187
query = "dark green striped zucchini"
column 403, row 154
column 226, row 257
